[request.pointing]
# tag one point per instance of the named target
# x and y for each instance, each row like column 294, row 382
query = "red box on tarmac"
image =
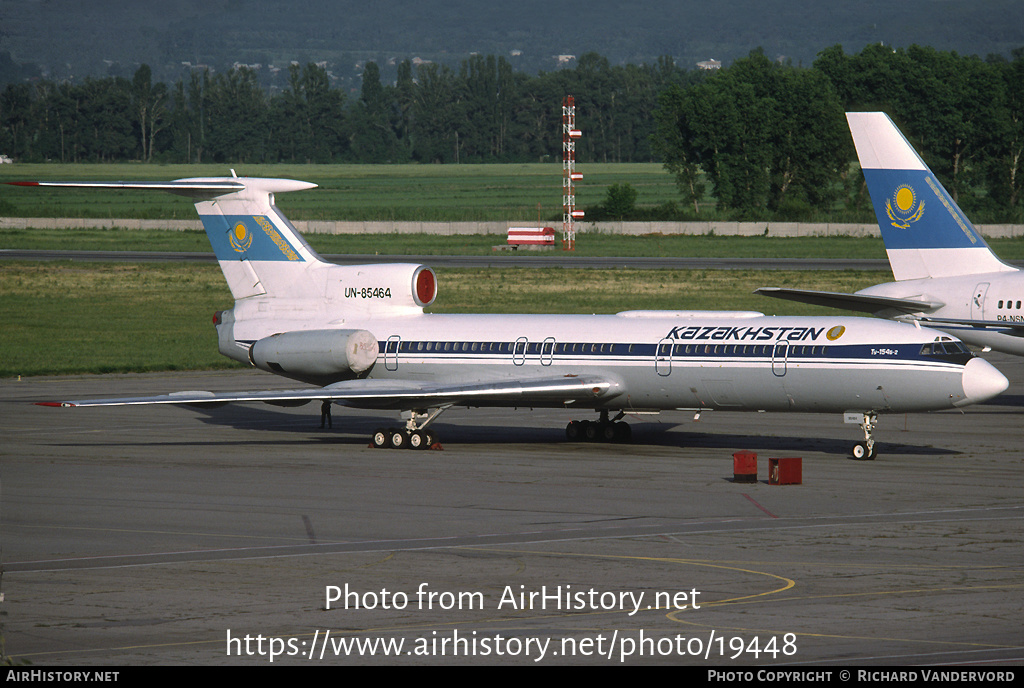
column 787, row 471
column 744, row 467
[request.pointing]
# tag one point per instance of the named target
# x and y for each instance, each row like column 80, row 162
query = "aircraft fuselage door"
column 519, row 351
column 779, row 355
column 547, row 351
column 663, row 357
column 978, row 301
column 391, row 352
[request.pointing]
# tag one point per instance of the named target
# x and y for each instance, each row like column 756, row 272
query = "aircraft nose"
column 981, row 382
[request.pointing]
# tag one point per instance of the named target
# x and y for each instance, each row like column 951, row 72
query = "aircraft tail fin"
column 282, row 288
column 925, row 232
column 259, row 250
column 271, row 270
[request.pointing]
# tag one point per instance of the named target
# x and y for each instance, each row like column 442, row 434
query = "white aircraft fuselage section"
column 975, row 306
column 751, row 362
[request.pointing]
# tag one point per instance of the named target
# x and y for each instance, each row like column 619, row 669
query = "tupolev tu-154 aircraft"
column 946, row 275
column 359, row 336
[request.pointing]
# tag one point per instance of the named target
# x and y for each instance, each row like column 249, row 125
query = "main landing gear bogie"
column 398, row 438
column 603, row 430
column 414, row 435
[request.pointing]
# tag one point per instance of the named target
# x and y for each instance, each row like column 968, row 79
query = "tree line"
column 484, row 111
column 769, row 139
column 757, row 137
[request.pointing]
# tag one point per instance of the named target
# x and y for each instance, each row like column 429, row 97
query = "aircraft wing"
column 400, row 394
column 864, row 303
column 1016, row 328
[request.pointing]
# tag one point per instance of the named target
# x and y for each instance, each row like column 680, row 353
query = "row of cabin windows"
column 740, row 350
column 548, row 347
column 1009, row 304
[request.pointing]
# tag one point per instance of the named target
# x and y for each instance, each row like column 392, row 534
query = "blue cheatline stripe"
column 624, row 352
column 914, row 211
column 247, row 237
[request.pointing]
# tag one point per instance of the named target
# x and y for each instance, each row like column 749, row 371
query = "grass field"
column 587, row 245
column 346, row 192
column 63, row 318
column 475, row 245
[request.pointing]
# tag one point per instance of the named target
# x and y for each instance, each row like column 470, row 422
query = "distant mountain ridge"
column 71, row 39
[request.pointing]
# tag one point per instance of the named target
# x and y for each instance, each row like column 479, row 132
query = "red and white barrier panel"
column 531, row 236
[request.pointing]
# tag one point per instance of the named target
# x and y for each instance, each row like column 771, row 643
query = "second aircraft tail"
column 925, row 232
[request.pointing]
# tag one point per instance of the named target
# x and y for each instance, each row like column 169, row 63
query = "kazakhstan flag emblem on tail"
column 904, row 208
column 240, row 237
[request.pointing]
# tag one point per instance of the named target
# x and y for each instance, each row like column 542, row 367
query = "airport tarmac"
column 177, row 536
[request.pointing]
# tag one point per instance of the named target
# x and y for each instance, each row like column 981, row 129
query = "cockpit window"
column 948, row 350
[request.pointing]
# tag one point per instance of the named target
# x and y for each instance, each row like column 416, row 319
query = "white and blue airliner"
column 358, row 336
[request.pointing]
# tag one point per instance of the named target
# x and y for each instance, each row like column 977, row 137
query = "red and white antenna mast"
column 569, row 174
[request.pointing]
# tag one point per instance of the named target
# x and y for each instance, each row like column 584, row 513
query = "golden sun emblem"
column 835, row 333
column 904, row 208
column 240, row 237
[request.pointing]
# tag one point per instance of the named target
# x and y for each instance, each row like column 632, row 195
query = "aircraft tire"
column 419, row 440
column 398, row 439
column 379, row 438
column 573, row 431
column 861, row 453
column 610, row 432
column 623, row 433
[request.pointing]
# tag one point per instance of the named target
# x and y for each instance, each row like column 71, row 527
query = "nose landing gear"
column 865, row 451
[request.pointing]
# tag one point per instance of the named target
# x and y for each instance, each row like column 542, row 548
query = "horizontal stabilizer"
column 862, row 303
column 388, row 393
column 197, row 188
column 184, row 187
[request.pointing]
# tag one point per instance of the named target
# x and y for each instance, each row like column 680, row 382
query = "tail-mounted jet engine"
column 320, row 356
column 382, row 287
